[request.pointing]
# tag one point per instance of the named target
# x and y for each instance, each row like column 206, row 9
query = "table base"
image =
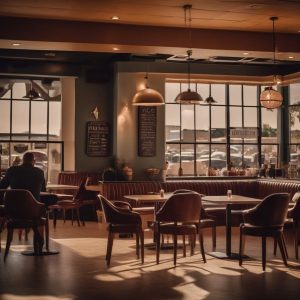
column 44, row 253
column 223, row 255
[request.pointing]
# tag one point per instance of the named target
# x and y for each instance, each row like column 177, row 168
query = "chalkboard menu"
column 146, row 131
column 97, row 139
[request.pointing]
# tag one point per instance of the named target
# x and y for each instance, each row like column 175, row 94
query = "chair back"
column 20, row 204
column 113, row 214
column 83, row 193
column 180, row 191
column 181, row 207
column 295, row 211
column 272, row 211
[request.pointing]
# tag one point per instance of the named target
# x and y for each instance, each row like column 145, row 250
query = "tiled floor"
column 80, row 272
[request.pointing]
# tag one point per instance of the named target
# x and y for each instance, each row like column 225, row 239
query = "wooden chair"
column 266, row 220
column 22, row 212
column 121, row 219
column 206, row 220
column 82, row 198
column 179, row 216
column 293, row 223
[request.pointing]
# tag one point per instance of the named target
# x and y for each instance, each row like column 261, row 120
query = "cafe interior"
column 169, row 137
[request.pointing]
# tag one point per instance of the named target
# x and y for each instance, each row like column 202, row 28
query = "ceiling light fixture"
column 210, row 99
column 188, row 96
column 115, row 18
column 16, row 44
column 116, row 49
column 271, row 98
column 32, row 94
column 147, row 96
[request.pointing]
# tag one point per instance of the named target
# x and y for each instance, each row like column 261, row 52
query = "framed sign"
column 97, row 138
column 146, row 131
column 244, row 132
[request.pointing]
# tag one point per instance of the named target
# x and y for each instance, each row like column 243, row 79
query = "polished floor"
column 79, row 271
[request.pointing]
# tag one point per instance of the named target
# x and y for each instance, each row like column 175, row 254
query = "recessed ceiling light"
column 245, row 53
column 291, row 57
column 115, row 18
column 116, row 49
column 16, row 44
column 50, row 54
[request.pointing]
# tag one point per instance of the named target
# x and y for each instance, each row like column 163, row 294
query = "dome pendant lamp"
column 32, row 94
column 210, row 99
column 148, row 97
column 188, row 96
column 271, row 98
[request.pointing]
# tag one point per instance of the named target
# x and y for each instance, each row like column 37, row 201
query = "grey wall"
column 89, row 95
column 126, row 131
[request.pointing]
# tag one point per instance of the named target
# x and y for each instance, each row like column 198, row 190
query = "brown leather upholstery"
column 121, row 220
column 2, row 221
column 266, row 220
column 293, row 223
column 206, row 220
column 257, row 188
column 178, row 216
column 23, row 211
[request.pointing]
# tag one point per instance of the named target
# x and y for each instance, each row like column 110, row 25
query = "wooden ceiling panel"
column 227, row 14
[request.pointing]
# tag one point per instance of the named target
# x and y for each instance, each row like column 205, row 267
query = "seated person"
column 25, row 176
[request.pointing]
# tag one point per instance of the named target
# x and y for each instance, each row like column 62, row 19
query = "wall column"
column 68, row 122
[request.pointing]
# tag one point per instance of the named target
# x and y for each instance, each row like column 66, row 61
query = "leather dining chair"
column 292, row 223
column 179, row 216
column 266, row 220
column 2, row 221
column 23, row 212
column 82, row 198
column 2, row 213
column 206, row 220
column 122, row 220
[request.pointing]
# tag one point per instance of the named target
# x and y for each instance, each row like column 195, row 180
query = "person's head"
column 28, row 158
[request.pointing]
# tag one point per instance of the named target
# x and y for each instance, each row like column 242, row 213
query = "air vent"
column 154, row 57
column 241, row 60
column 182, row 58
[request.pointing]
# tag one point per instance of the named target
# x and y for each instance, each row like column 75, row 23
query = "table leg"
column 228, row 230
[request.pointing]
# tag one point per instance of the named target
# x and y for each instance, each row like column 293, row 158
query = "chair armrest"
column 122, row 205
column 128, row 217
column 250, row 215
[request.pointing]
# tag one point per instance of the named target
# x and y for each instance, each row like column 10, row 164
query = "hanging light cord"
column 188, row 18
column 274, row 38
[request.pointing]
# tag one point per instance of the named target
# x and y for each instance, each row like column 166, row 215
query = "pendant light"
column 271, row 98
column 32, row 94
column 188, row 96
column 210, row 99
column 148, row 97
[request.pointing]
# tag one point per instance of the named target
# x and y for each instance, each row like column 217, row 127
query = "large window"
column 235, row 130
column 31, row 124
column 294, row 121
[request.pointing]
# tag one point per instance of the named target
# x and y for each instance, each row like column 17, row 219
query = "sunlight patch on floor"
column 191, row 291
column 85, row 247
column 109, row 277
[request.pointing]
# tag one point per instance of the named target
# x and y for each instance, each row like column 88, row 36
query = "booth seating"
column 116, row 190
column 256, row 188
